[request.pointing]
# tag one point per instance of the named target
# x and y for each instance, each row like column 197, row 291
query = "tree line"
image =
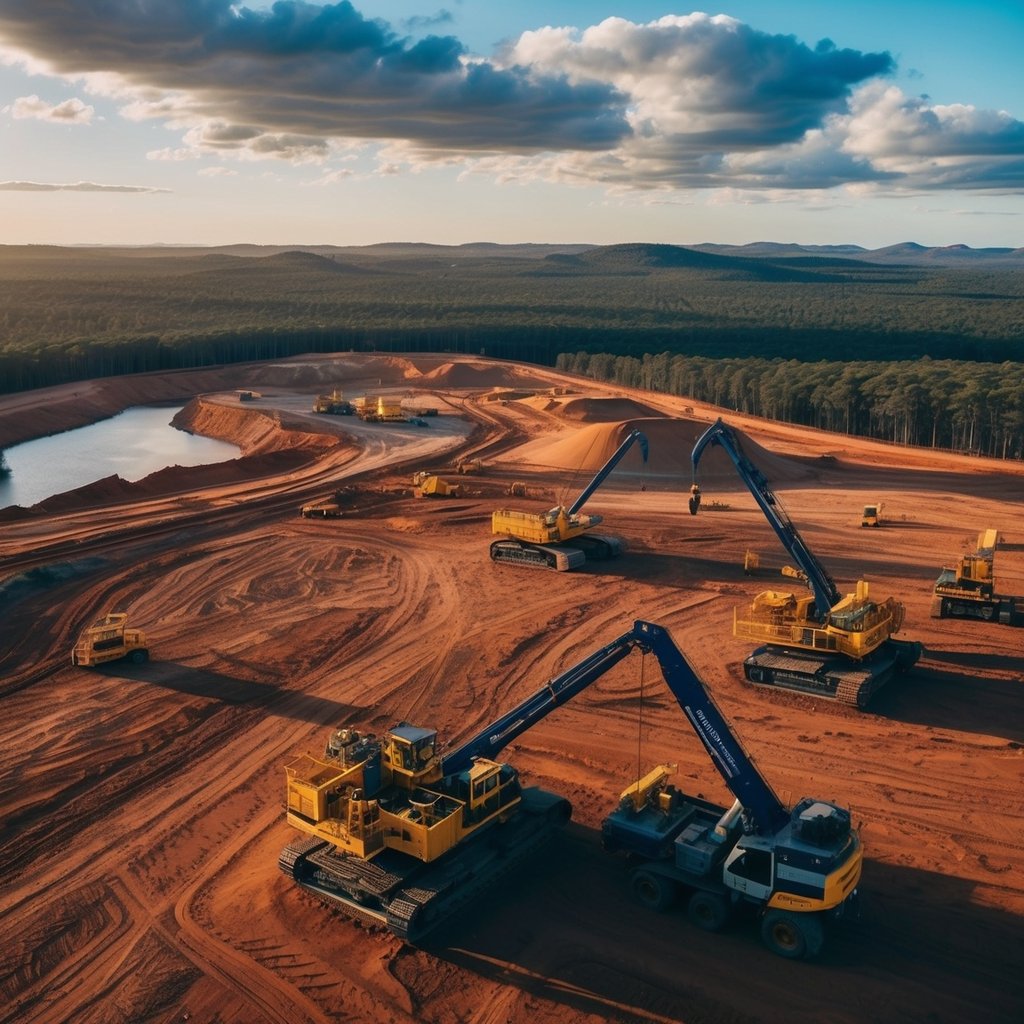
column 938, row 403
column 68, row 314
column 915, row 354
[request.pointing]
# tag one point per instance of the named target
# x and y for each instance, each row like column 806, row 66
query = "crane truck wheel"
column 139, row 657
column 654, row 891
column 793, row 936
column 709, row 910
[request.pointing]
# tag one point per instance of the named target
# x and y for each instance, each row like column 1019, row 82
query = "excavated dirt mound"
column 480, row 375
column 592, row 410
column 670, row 443
column 330, row 371
column 255, row 431
column 173, row 480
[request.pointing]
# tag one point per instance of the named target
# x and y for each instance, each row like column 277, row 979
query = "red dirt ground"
column 143, row 807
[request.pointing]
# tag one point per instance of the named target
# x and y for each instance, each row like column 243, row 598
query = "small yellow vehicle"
column 110, row 639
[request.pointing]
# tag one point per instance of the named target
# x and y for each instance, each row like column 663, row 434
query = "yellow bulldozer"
column 110, row 639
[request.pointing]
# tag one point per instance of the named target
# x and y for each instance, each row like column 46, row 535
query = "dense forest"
column 790, row 334
column 965, row 406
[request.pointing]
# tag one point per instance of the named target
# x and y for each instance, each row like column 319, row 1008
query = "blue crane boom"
column 602, row 473
column 761, row 805
column 826, row 594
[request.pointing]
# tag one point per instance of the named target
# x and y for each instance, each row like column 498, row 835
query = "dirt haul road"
column 143, row 807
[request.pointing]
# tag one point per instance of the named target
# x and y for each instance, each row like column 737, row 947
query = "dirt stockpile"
column 670, row 443
column 592, row 410
column 256, row 432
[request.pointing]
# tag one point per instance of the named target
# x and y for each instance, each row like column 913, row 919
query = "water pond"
column 133, row 444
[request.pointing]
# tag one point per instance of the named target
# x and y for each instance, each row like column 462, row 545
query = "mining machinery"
column 968, row 589
column 399, row 835
column 110, row 639
column 429, row 485
column 823, row 643
column 797, row 868
column 334, row 404
column 324, row 509
column 872, row 515
column 560, row 538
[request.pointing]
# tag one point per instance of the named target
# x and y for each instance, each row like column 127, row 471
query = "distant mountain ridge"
column 639, row 254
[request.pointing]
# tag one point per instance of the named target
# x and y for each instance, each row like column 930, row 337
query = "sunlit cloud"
column 78, row 186
column 681, row 103
column 72, row 111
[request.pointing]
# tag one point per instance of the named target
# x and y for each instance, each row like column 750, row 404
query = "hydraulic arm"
column 800, row 868
column 826, row 594
column 602, row 474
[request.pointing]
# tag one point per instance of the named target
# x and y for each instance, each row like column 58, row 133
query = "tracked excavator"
column 399, row 835
column 560, row 539
column 823, row 643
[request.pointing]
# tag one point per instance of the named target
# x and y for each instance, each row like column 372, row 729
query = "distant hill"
column 640, row 254
column 904, row 253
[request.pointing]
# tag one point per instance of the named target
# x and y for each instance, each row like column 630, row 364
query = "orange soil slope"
column 142, row 807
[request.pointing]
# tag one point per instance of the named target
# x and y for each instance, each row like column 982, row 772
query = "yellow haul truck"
column 110, row 639
column 872, row 515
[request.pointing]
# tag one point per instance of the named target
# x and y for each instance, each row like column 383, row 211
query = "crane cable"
column 640, row 720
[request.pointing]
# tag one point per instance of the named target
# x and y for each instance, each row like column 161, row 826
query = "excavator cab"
column 411, row 754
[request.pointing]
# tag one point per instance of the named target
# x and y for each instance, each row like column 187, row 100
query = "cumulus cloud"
column 72, row 111
column 682, row 102
column 79, row 186
column 302, row 71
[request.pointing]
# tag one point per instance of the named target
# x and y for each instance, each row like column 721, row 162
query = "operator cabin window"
column 755, row 865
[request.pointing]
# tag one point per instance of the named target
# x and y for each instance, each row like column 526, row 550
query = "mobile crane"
column 824, row 643
column 539, row 539
column 798, row 868
column 968, row 589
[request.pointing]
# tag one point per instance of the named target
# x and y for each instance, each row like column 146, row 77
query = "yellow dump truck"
column 438, row 487
column 872, row 515
column 110, row 639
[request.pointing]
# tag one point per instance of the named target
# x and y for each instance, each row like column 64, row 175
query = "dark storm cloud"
column 307, row 69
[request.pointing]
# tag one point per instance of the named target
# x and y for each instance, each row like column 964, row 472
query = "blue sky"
column 213, row 122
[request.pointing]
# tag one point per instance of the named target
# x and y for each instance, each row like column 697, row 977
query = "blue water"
column 132, row 444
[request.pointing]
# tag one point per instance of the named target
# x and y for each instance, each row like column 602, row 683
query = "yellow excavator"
column 561, row 538
column 825, row 643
